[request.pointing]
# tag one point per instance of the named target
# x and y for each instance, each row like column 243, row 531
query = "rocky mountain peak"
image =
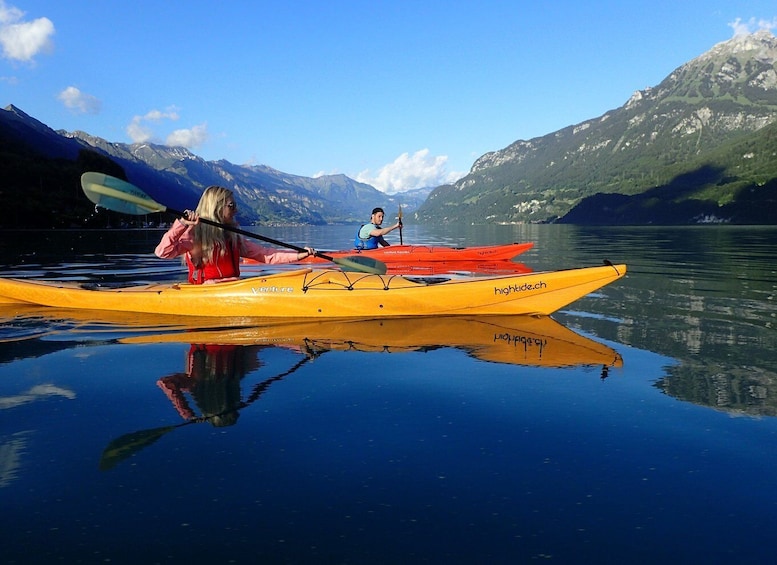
column 19, row 115
column 741, row 70
column 761, row 46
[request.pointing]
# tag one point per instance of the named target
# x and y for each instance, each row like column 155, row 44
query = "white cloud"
column 407, row 172
column 138, row 130
column 20, row 40
column 79, row 102
column 139, row 133
column 189, row 138
column 322, row 173
column 752, row 25
column 158, row 115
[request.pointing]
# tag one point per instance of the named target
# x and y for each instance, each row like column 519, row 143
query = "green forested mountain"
column 698, row 147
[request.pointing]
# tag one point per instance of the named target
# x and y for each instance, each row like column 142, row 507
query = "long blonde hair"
column 207, row 238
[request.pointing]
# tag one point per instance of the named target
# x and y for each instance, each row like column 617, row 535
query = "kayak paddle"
column 120, row 196
column 400, row 225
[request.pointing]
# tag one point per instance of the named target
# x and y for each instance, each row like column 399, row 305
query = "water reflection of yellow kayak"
column 538, row 341
column 519, row 340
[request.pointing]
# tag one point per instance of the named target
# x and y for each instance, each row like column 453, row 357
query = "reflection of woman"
column 212, row 379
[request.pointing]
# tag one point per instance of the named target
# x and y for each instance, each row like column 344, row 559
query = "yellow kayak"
column 517, row 340
column 326, row 293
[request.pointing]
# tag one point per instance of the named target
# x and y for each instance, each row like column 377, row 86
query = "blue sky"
column 397, row 94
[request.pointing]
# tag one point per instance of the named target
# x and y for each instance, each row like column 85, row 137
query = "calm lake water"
column 642, row 427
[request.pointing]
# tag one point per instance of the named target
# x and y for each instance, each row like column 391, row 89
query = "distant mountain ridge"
column 715, row 101
column 176, row 177
column 266, row 195
column 700, row 147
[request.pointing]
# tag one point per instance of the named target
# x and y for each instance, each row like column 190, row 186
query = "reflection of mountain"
column 29, row 347
column 705, row 298
column 721, row 359
column 742, row 390
column 11, row 450
column 12, row 447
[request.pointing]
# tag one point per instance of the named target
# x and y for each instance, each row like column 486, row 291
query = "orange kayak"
column 427, row 254
column 430, row 269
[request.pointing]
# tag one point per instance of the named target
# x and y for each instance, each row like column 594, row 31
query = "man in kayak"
column 212, row 253
column 370, row 235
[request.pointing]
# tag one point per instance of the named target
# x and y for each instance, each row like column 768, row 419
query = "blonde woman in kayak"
column 211, row 253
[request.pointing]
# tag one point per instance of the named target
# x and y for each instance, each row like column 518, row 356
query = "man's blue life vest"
column 371, row 242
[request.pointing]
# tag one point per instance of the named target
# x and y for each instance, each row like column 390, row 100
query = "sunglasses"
column 231, row 205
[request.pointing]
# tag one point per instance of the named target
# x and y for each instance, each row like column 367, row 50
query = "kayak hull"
column 326, row 293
